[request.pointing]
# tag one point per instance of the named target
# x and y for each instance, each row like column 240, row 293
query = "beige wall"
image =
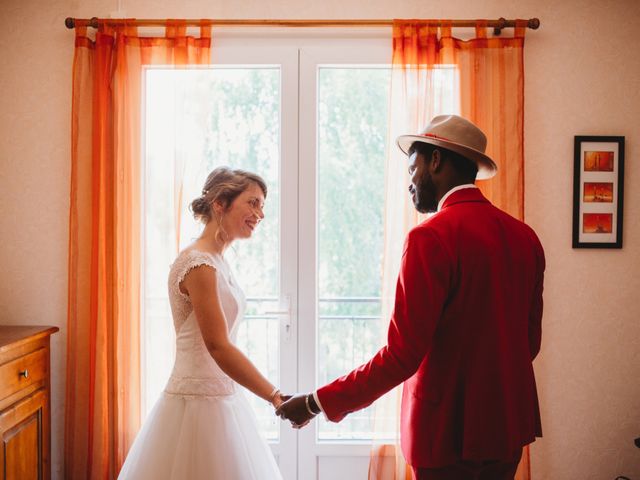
column 582, row 78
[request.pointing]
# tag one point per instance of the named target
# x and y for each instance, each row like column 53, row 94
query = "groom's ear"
column 435, row 162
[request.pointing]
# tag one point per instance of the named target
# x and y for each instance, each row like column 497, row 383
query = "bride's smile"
column 244, row 214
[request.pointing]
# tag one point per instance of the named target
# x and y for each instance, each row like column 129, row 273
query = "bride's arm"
column 201, row 286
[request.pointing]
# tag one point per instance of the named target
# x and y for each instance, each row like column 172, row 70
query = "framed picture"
column 598, row 192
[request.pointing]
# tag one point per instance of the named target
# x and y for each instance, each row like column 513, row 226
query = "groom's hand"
column 279, row 399
column 295, row 410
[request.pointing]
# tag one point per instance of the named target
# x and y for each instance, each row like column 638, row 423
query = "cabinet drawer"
column 22, row 372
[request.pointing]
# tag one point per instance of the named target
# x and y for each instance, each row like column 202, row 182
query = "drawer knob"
column 24, row 373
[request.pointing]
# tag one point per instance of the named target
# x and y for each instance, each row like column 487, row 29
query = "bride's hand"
column 279, row 399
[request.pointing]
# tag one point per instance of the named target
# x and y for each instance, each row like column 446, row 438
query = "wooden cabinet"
column 25, row 418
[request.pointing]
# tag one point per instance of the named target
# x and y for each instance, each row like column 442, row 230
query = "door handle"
column 284, row 313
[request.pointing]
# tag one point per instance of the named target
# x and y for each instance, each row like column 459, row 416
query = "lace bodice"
column 195, row 373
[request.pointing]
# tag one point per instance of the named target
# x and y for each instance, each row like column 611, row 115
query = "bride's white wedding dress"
column 202, row 427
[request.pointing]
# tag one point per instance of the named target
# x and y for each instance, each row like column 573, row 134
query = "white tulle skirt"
column 199, row 438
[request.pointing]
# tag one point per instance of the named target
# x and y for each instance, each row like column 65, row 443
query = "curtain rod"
column 94, row 22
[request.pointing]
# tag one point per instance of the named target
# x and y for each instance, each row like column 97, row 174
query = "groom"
column 466, row 324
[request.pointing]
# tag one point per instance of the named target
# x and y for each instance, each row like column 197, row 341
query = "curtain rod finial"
column 70, row 22
column 534, row 23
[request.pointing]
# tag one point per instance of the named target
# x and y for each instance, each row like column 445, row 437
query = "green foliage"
column 352, row 117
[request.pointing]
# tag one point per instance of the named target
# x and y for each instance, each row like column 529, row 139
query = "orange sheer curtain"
column 487, row 78
column 102, row 413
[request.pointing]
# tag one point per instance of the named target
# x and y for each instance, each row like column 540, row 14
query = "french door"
column 310, row 115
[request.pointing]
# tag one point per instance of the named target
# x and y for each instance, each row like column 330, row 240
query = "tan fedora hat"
column 458, row 135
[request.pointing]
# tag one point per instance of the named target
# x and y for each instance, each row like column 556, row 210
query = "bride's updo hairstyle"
column 223, row 185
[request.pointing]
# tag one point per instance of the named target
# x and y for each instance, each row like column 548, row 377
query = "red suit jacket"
column 465, row 328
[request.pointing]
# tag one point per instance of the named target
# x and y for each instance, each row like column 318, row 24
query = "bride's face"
column 244, row 214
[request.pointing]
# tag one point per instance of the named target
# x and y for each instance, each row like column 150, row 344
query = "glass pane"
column 196, row 120
column 352, row 143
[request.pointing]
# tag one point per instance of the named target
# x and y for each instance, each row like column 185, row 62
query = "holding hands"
column 298, row 409
column 278, row 398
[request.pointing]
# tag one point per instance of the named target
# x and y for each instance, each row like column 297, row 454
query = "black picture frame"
column 598, row 191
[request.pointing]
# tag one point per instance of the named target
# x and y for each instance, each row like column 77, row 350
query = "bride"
column 202, row 427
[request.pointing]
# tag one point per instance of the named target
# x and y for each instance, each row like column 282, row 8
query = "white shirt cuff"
column 315, row 397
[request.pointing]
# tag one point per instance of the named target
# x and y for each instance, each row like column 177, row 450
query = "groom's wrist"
column 318, row 403
column 313, row 405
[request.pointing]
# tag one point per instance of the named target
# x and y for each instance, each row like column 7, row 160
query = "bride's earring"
column 218, row 212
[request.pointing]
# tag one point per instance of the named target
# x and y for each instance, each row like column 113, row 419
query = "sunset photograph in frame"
column 598, row 192
column 597, row 223
column 598, row 161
